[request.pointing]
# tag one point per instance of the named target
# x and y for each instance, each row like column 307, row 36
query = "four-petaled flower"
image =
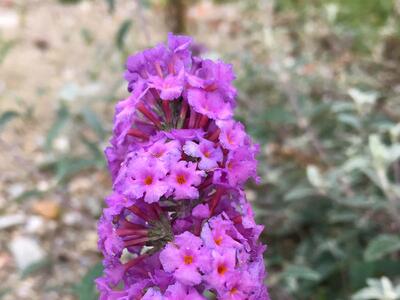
column 223, row 264
column 185, row 258
column 210, row 154
column 148, row 181
column 183, row 180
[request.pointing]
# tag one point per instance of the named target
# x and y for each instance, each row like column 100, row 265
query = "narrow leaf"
column 59, row 123
column 86, row 290
column 6, row 117
column 301, row 272
column 122, row 32
column 93, row 121
column 35, row 267
column 381, row 246
column 111, row 6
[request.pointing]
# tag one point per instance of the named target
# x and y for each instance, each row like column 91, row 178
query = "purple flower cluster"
column 177, row 225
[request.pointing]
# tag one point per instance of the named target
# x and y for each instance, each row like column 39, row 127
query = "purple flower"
column 211, row 92
column 210, row 154
column 135, row 70
column 115, row 205
column 106, row 292
column 183, row 135
column 167, row 152
column 125, row 113
column 240, row 166
column 113, row 160
column 185, row 258
column 170, row 87
column 152, row 294
column 113, row 269
column 109, row 241
column 223, row 264
column 179, row 291
column 201, row 211
column 209, row 103
column 174, row 139
column 156, row 59
column 215, row 234
column 145, row 178
column 239, row 285
column 232, row 134
column 183, row 179
column 180, row 44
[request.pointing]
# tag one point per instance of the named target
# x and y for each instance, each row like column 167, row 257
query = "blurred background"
column 319, row 89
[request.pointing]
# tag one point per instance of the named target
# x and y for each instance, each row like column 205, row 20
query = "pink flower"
column 185, row 257
column 211, row 92
column 108, row 239
column 167, row 152
column 215, row 234
column 232, row 134
column 180, row 292
column 223, row 264
column 201, row 211
column 152, row 294
column 170, row 87
column 240, row 166
column 239, row 285
column 210, row 104
column 210, row 154
column 147, row 180
column 183, row 179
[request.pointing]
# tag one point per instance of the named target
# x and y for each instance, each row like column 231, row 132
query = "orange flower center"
column 188, row 259
column 218, row 240
column 229, row 138
column 180, row 179
column 233, row 291
column 158, row 154
column 148, row 180
column 222, row 269
column 207, row 154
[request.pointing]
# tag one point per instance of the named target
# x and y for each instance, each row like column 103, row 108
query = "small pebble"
column 35, row 224
column 26, row 251
column 47, row 208
column 11, row 220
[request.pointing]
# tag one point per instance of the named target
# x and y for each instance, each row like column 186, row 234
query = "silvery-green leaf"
column 382, row 245
column 363, row 98
column 380, row 289
column 378, row 150
column 69, row 92
column 367, row 294
column 314, row 176
column 301, row 272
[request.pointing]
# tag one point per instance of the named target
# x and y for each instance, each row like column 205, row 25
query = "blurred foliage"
column 6, row 117
column 85, row 290
column 330, row 148
column 362, row 20
column 40, row 266
column 381, row 289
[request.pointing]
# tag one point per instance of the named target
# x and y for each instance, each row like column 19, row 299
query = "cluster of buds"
column 177, row 225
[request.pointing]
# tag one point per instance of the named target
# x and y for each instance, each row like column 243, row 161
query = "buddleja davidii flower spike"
column 178, row 225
